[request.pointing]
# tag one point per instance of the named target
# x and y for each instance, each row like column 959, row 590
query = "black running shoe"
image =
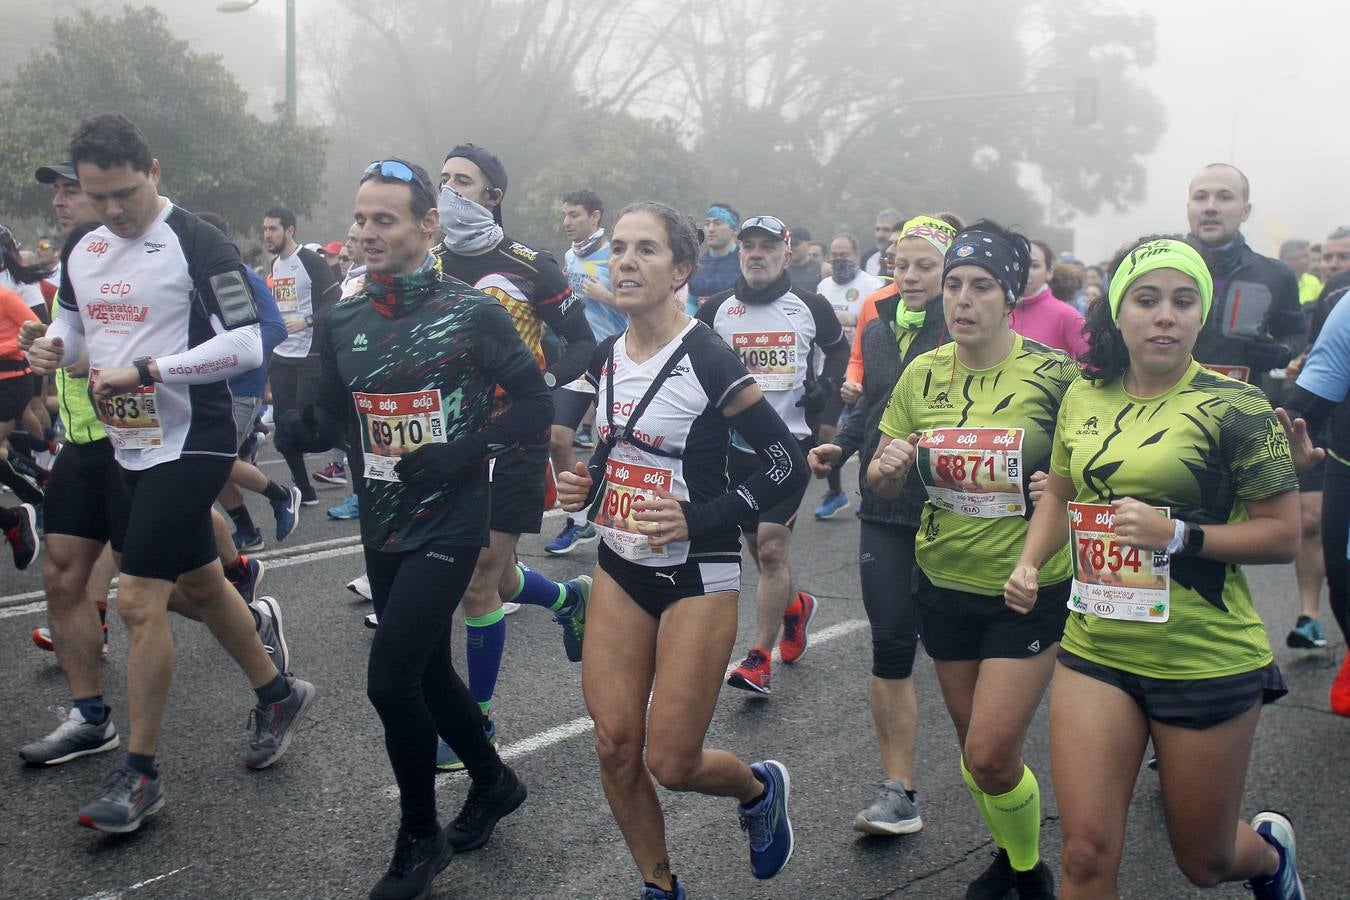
column 417, row 860
column 483, row 808
column 995, row 882
column 1037, row 884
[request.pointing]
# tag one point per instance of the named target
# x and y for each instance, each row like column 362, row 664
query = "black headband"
column 1007, row 258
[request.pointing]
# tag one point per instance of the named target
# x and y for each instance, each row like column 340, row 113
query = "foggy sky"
column 1277, row 65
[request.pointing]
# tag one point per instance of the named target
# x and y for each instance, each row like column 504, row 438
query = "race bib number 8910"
column 396, row 424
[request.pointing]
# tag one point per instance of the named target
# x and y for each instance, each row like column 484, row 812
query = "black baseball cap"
column 49, row 174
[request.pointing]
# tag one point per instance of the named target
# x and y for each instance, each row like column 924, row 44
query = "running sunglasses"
column 771, row 224
column 399, row 171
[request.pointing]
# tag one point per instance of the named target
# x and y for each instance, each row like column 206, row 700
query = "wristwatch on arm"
column 142, row 364
column 1187, row 539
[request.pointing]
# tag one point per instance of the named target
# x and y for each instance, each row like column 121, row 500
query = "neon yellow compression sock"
column 981, row 802
column 1018, row 814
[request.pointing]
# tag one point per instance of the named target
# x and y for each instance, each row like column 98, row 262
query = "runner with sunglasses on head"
column 662, row 616
column 409, row 367
column 976, row 418
column 1165, row 479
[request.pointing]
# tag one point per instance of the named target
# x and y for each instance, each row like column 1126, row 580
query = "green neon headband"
column 1161, row 254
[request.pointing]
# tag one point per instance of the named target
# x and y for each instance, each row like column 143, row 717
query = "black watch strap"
column 142, row 365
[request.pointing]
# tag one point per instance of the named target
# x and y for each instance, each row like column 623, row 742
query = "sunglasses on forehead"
column 399, row 171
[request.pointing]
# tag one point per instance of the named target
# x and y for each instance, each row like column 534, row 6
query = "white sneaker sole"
column 111, row 743
column 868, row 826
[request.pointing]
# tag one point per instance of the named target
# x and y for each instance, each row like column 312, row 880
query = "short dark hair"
column 800, row 235
column 682, row 234
column 216, row 220
column 110, row 139
column 588, row 200
column 1246, row 182
column 1107, row 358
column 420, row 193
column 283, row 215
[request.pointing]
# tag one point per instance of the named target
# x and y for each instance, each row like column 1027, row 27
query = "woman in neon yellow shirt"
column 1165, row 477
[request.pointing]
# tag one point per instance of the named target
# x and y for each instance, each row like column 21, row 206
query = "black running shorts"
column 956, row 625
column 519, row 482
column 1199, row 704
column 654, row 588
column 15, row 394
column 169, row 528
column 86, row 494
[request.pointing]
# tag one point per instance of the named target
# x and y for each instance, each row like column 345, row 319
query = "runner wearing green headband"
column 904, row 327
column 1165, row 478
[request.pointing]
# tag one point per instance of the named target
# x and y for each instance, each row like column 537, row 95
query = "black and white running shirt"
column 153, row 295
column 683, row 424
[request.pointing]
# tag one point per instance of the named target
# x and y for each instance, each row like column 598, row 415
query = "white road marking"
column 583, row 724
column 118, row 894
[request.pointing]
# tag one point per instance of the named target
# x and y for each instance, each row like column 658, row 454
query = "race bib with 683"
column 131, row 419
column 973, row 471
column 395, row 424
column 1111, row 580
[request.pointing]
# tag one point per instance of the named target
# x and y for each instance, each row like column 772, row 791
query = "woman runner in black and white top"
column 662, row 613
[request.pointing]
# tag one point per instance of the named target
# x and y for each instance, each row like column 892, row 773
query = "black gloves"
column 436, row 465
column 816, row 395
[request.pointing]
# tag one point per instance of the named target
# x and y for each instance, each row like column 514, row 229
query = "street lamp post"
column 235, row 6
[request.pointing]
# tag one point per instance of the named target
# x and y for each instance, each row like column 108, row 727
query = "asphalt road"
column 321, row 822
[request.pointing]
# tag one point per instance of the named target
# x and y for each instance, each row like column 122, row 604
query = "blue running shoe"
column 347, row 509
column 652, row 892
column 248, row 587
column 572, row 617
column 571, row 537
column 1307, row 634
column 831, row 504
column 767, row 821
column 248, row 542
column 1285, row 883
column 287, row 512
column 447, row 761
column 128, row 798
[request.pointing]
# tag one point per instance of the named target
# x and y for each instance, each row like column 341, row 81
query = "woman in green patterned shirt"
column 976, row 417
column 1166, row 478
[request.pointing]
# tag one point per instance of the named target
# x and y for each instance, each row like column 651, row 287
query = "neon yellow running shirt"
column 1200, row 449
column 1023, row 391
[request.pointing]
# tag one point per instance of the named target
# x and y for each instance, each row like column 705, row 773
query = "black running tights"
column 886, row 568
column 1335, row 535
column 411, row 680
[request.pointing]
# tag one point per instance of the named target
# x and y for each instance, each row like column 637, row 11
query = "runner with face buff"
column 534, row 290
column 903, row 327
column 975, row 418
column 1165, row 478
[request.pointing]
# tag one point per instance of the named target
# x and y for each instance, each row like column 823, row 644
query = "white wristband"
column 1178, row 535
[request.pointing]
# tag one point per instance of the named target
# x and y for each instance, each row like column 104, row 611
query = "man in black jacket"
column 1256, row 323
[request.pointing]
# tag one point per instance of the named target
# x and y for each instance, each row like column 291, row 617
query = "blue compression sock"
column 534, row 589
column 483, row 649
